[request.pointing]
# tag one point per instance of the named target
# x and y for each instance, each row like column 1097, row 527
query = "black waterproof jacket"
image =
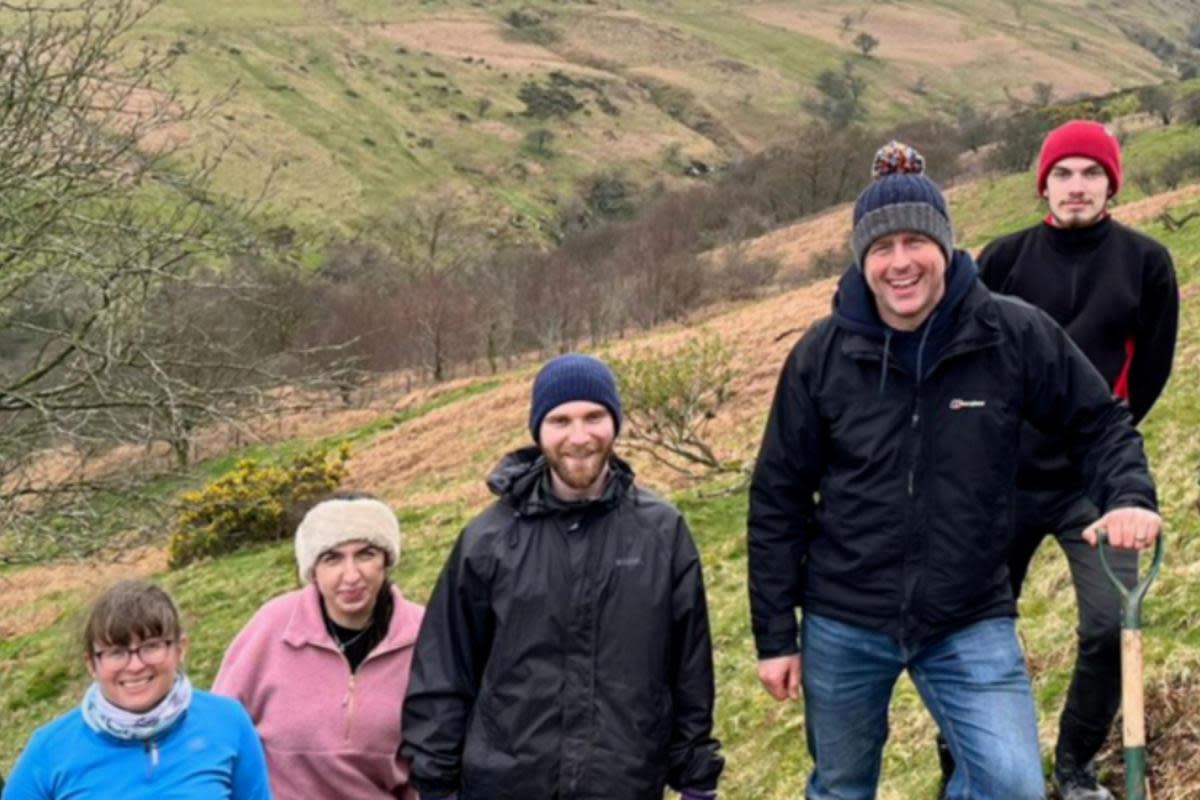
column 916, row 477
column 565, row 653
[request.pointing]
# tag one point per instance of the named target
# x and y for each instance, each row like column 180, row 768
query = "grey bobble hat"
column 335, row 522
column 900, row 198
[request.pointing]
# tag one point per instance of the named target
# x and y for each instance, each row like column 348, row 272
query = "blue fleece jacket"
column 211, row 753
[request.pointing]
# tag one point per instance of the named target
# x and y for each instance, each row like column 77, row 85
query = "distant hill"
column 355, row 104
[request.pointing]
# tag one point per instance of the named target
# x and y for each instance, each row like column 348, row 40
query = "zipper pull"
column 152, row 756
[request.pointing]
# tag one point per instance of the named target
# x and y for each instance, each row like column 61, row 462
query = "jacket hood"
column 854, row 305
column 521, row 480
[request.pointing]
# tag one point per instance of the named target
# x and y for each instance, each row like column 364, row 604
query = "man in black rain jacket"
column 883, row 498
column 565, row 653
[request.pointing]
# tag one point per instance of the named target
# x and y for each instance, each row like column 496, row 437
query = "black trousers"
column 1095, row 692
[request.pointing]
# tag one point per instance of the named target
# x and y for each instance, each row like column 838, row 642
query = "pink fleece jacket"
column 327, row 733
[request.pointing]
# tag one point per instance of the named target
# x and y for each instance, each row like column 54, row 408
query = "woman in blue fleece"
column 141, row 731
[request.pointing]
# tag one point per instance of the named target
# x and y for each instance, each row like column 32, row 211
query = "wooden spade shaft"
column 1133, row 716
column 1133, row 705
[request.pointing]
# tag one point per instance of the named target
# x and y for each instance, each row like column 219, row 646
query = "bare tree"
column 101, row 295
column 1156, row 100
column 435, row 249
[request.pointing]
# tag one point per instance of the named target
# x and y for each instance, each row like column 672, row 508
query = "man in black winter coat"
column 565, row 653
column 1114, row 291
column 883, row 501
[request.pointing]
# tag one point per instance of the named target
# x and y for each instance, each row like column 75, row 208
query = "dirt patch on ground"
column 152, row 113
column 503, row 132
column 1172, row 741
column 462, row 37
column 22, row 593
column 630, row 39
column 943, row 40
column 795, row 245
column 1150, row 207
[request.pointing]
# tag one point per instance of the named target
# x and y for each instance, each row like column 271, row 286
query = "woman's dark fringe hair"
column 131, row 609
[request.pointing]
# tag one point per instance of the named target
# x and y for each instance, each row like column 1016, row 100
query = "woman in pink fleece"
column 323, row 669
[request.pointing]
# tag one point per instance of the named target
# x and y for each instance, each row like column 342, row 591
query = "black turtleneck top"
column 1114, row 291
column 357, row 644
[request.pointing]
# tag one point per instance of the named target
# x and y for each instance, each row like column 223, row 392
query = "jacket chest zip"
column 917, row 443
column 348, row 702
column 583, row 536
column 349, row 705
column 151, row 746
column 910, row 569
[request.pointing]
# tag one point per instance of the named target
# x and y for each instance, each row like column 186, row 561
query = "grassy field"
column 349, row 106
column 41, row 672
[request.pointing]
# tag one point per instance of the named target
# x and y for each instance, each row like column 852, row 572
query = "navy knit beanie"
column 571, row 377
column 900, row 198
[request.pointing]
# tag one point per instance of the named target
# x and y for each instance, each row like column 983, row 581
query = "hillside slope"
column 431, row 467
column 352, row 104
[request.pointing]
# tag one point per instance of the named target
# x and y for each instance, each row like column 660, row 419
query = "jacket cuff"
column 1130, row 501
column 781, row 637
column 774, row 649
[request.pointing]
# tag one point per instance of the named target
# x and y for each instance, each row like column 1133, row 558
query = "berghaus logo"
column 959, row 404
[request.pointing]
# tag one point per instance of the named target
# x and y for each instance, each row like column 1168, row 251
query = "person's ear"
column 183, row 646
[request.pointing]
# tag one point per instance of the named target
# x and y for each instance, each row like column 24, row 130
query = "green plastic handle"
column 1131, row 617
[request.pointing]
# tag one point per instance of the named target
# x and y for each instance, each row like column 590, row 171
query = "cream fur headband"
column 335, row 522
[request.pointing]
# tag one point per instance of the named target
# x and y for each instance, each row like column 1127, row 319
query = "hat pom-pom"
column 897, row 158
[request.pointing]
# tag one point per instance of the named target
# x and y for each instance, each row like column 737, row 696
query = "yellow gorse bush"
column 253, row 502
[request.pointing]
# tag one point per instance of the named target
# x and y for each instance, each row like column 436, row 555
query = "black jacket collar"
column 521, row 479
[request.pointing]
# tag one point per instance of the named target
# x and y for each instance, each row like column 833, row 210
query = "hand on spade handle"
column 1129, row 528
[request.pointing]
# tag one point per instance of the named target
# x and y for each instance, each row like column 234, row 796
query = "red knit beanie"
column 1081, row 137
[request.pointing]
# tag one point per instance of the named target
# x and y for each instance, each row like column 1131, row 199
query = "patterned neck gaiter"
column 103, row 717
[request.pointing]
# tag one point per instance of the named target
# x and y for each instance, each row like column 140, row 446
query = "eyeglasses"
column 152, row 652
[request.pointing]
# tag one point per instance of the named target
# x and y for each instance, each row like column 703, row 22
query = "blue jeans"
column 973, row 681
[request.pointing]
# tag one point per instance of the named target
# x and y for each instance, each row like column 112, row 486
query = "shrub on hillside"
column 1189, row 108
column 669, row 400
column 254, row 502
column 543, row 101
column 528, row 26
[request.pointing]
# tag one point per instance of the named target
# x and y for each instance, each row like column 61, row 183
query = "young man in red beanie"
column 1114, row 291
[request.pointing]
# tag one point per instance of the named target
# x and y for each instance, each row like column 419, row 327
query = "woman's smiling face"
column 138, row 676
